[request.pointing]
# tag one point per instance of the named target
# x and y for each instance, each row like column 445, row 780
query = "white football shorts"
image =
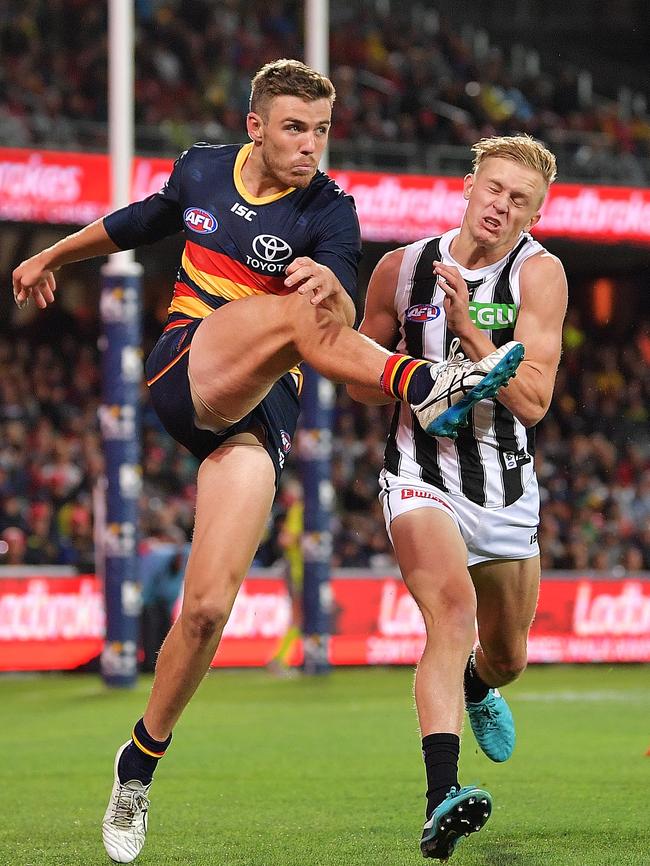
column 489, row 533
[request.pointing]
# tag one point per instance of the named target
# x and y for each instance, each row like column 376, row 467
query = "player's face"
column 504, row 200
column 292, row 136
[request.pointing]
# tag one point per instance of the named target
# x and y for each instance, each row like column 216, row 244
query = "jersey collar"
column 242, row 156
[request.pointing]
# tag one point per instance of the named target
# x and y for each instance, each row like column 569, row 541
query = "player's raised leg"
column 241, row 477
column 280, row 331
column 446, row 598
column 507, row 593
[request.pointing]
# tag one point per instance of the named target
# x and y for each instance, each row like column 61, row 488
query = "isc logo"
column 243, row 211
column 199, row 220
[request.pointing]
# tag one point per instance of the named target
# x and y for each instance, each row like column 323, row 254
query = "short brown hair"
column 288, row 78
column 520, row 148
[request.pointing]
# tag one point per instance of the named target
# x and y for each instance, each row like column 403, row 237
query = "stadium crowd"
column 404, row 77
column 593, row 460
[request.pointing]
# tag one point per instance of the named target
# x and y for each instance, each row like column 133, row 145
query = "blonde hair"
column 288, row 78
column 520, row 148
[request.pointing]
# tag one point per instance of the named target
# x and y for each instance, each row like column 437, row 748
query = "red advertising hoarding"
column 58, row 623
column 60, row 187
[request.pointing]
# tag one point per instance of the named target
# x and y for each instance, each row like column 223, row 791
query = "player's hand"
column 32, row 280
column 456, row 301
column 311, row 278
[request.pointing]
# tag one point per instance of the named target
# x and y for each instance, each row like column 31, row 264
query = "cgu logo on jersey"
column 199, row 220
column 492, row 316
column 422, row 313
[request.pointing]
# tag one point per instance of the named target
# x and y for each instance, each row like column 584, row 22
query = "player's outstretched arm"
column 380, row 318
column 35, row 276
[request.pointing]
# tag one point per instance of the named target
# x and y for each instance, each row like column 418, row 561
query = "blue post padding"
column 315, row 453
column 121, row 367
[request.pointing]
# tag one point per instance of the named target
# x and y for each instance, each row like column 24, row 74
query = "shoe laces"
column 128, row 804
column 489, row 715
column 454, row 357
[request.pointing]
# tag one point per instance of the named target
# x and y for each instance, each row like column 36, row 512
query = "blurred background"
column 417, row 84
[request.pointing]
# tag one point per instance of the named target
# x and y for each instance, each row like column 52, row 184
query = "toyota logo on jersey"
column 199, row 220
column 422, row 313
column 271, row 248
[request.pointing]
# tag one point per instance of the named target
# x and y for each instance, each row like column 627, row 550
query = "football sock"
column 440, row 753
column 406, row 378
column 141, row 756
column 475, row 688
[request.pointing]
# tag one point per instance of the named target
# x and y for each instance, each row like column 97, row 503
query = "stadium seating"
column 414, row 87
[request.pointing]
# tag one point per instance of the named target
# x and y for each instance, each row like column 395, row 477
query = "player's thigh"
column 235, row 491
column 240, row 350
column 432, row 557
column 506, row 593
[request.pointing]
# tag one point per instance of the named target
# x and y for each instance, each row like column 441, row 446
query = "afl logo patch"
column 199, row 220
column 286, row 441
column 422, row 313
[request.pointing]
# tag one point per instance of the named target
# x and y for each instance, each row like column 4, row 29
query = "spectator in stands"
column 402, row 75
column 42, row 545
column 12, row 546
column 77, row 545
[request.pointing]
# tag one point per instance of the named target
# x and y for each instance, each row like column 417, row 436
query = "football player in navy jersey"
column 266, row 280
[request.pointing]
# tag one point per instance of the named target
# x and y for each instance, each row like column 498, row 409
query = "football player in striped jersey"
column 462, row 508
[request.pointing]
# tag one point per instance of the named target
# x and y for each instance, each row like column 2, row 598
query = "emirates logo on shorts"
column 415, row 493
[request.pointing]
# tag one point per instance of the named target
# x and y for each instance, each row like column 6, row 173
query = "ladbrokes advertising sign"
column 58, row 623
column 74, row 188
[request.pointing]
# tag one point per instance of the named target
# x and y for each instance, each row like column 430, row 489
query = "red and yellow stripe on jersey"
column 217, row 275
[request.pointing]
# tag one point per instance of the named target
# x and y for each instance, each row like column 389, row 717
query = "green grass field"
column 327, row 772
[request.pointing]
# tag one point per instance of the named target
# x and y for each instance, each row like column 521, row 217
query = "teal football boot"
column 462, row 812
column 493, row 726
column 459, row 384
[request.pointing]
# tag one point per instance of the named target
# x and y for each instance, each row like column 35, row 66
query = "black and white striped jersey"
column 491, row 461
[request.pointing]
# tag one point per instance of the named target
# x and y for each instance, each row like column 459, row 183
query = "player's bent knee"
column 508, row 667
column 204, row 619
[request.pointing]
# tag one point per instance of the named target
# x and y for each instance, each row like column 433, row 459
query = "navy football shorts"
column 166, row 372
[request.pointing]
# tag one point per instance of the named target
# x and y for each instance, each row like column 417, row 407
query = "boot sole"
column 451, row 419
column 468, row 816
